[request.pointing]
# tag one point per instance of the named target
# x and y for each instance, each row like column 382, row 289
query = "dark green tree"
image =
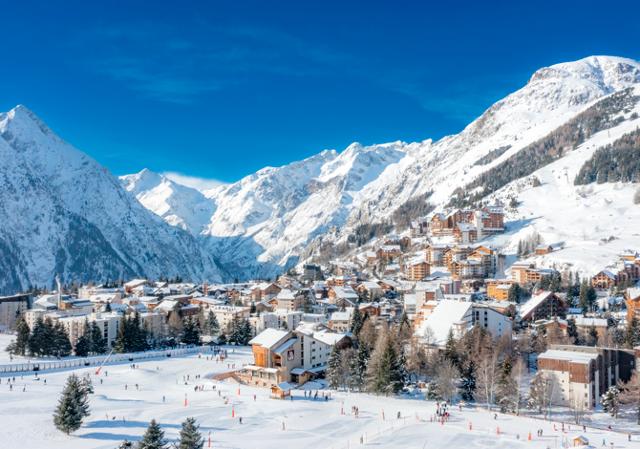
column 153, row 437
column 357, row 320
column 72, row 407
column 21, row 345
column 190, row 436
column 190, row 332
column 212, row 326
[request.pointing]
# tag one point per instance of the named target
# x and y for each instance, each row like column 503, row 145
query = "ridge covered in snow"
column 265, row 221
column 65, row 214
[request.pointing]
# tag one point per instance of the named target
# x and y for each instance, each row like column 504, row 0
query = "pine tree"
column 572, row 330
column 507, row 389
column 212, row 327
column 358, row 367
column 334, row 369
column 587, row 296
column 72, row 406
column 153, row 437
column 122, row 341
column 246, row 332
column 385, row 372
column 190, row 436
column 190, row 333
column 83, row 344
column 632, row 333
column 61, row 344
column 611, row 401
column 356, row 321
column 98, row 342
column 21, row 344
column 37, row 338
column 451, row 349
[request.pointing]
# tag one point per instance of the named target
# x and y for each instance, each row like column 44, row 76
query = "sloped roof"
column 268, row 338
column 444, row 316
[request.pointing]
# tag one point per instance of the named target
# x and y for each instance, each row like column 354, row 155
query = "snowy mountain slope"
column 65, row 214
column 178, row 205
column 267, row 220
column 591, row 224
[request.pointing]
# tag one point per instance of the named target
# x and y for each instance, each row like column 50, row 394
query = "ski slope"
column 27, row 416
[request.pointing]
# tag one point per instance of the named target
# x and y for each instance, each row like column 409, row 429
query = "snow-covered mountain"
column 63, row 213
column 268, row 219
column 178, row 205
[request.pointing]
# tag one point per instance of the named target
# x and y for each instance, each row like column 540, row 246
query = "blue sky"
column 219, row 89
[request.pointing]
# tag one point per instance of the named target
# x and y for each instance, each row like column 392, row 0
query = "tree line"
column 616, row 162
column 602, row 115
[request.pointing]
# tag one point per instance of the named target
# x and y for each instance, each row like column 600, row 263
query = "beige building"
column 10, row 309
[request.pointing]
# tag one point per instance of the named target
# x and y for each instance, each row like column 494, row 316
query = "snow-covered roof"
column 286, row 295
column 447, row 313
column 588, row 321
column 342, row 316
column 528, row 307
column 345, row 292
column 268, row 338
column 571, row 356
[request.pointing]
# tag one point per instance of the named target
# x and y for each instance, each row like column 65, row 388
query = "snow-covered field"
column 118, row 413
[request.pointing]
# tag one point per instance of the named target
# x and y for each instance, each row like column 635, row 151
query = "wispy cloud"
column 153, row 60
column 193, row 181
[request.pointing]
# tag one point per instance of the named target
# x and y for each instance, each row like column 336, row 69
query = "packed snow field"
column 127, row 398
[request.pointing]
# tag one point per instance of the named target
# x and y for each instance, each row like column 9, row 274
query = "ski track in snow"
column 27, row 416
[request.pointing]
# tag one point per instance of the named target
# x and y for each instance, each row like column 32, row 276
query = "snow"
column 66, row 214
column 277, row 216
column 269, row 337
column 533, row 302
column 312, row 424
column 444, row 316
column 570, row 356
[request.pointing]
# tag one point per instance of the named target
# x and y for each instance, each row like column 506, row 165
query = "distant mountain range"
column 64, row 213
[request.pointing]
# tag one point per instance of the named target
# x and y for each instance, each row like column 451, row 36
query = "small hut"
column 281, row 391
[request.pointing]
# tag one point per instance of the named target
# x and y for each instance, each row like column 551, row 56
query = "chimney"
column 59, row 292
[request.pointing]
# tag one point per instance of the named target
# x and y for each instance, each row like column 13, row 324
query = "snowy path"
column 309, row 424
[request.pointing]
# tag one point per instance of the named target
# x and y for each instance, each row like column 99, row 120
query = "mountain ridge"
column 85, row 223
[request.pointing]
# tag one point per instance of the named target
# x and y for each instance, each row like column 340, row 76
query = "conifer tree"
column 21, row 344
column 385, row 373
column 190, row 333
column 632, row 333
column 572, row 330
column 98, row 342
column 450, row 349
column 61, row 346
column 212, row 326
column 334, row 368
column 356, row 321
column 190, row 436
column 611, row 401
column 83, row 344
column 72, row 406
column 358, row 368
column 153, row 437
